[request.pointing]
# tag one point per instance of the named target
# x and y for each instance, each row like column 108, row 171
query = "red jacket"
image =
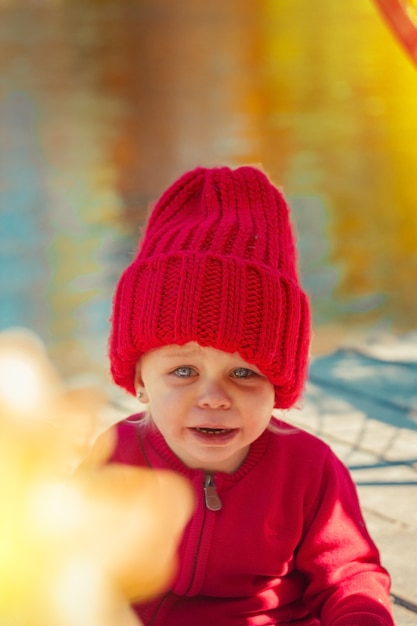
column 288, row 545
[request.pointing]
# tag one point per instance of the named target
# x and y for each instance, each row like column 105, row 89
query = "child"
column 211, row 330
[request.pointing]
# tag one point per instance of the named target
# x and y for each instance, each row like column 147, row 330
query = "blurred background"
column 103, row 103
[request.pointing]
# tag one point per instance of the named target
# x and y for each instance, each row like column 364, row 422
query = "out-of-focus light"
column 55, row 508
column 83, row 579
column 28, row 381
column 19, row 386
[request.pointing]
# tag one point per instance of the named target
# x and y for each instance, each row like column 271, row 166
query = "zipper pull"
column 213, row 502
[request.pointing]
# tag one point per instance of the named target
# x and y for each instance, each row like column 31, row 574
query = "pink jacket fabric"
column 288, row 546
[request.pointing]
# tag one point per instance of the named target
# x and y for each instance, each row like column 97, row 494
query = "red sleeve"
column 347, row 584
column 127, row 449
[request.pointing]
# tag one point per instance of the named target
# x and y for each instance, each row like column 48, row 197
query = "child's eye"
column 183, row 371
column 243, row 372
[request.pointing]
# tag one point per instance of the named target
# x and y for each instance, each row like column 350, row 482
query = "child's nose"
column 214, row 396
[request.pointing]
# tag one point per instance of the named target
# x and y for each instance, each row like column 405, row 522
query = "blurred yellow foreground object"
column 75, row 546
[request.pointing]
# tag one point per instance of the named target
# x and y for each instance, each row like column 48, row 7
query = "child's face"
column 208, row 404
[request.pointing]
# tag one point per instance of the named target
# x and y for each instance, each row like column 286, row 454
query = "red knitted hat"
column 216, row 266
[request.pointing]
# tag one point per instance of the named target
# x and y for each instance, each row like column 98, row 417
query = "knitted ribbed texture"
column 216, row 266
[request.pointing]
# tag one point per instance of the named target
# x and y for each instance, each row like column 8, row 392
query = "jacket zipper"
column 213, row 502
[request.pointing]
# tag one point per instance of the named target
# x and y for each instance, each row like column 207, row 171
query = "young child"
column 211, row 330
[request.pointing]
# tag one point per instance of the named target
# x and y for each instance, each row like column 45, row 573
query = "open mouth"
column 213, row 431
column 214, row 436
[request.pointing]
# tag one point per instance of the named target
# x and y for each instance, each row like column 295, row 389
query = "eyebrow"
column 194, row 352
column 179, row 354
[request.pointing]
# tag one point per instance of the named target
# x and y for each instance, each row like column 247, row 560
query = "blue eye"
column 242, row 372
column 183, row 372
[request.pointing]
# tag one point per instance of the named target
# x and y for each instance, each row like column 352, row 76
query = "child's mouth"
column 214, row 435
column 213, row 431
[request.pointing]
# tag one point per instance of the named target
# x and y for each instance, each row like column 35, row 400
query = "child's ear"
column 140, row 390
